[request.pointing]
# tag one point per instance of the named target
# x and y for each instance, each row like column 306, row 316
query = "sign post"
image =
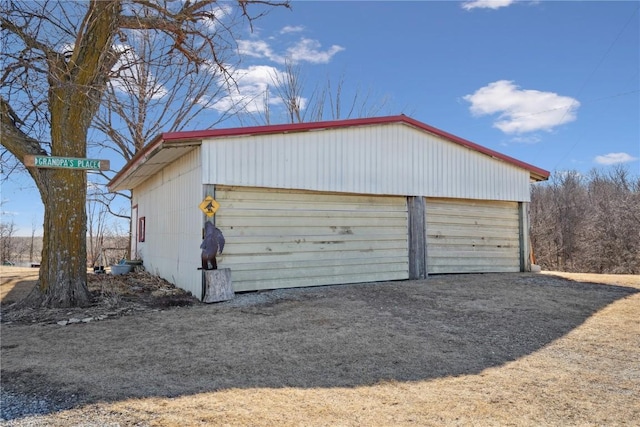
column 53, row 162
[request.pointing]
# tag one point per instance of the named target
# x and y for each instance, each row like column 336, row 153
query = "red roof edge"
column 136, row 159
column 187, row 136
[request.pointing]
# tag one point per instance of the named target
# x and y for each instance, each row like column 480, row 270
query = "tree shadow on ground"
column 12, row 289
column 334, row 336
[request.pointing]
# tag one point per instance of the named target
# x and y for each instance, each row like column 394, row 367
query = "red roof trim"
column 282, row 128
column 197, row 135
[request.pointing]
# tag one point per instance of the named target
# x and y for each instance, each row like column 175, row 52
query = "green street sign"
column 66, row 163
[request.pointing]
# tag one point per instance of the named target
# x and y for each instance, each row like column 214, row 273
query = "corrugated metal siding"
column 391, row 159
column 278, row 238
column 169, row 201
column 467, row 236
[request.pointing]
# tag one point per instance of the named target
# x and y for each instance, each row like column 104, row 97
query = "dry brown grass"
column 514, row 349
column 630, row 280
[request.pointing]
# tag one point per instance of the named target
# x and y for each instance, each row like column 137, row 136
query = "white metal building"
column 347, row 201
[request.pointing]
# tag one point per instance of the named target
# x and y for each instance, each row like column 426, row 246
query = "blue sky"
column 555, row 84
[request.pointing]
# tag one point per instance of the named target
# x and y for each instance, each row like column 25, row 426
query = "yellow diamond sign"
column 209, row 206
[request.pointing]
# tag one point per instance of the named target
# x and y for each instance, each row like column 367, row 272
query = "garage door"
column 470, row 236
column 281, row 238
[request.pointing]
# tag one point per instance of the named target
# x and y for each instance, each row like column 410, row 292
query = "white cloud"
column 522, row 110
column 291, row 29
column 532, row 139
column 258, row 49
column 614, row 158
column 486, row 4
column 252, row 84
column 305, row 50
column 308, row 50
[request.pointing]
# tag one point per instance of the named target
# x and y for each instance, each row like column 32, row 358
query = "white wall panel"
column 169, row 201
column 391, row 159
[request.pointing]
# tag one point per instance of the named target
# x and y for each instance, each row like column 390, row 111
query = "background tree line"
column 587, row 223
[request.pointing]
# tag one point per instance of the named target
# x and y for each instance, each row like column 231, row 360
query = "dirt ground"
column 480, row 349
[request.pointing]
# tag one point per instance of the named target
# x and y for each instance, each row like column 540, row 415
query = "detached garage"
column 349, row 201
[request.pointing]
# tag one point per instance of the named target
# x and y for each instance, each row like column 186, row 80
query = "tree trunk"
column 63, row 270
column 75, row 88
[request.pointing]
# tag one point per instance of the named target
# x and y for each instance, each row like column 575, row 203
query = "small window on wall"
column 141, row 228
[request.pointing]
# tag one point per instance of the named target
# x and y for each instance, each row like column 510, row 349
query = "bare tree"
column 559, row 216
column 7, row 242
column 57, row 62
column 570, row 199
column 542, row 223
column 7, row 230
column 33, row 238
column 96, row 224
column 588, row 223
column 614, row 212
column 148, row 94
column 300, row 102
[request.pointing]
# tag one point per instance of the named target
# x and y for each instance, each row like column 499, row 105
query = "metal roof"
column 167, row 147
